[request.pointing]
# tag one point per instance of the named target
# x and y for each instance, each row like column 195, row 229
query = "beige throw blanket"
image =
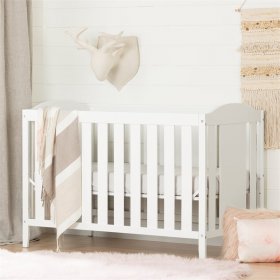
column 60, row 165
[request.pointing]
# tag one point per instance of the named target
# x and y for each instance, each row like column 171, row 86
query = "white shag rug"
column 51, row 265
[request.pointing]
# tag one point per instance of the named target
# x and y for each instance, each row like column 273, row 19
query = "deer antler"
column 81, row 43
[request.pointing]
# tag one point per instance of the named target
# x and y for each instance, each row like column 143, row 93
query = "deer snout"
column 102, row 64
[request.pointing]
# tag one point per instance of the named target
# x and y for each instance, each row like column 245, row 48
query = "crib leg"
column 25, row 235
column 202, row 246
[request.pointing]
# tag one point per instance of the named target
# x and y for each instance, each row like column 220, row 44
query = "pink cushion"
column 259, row 240
column 230, row 247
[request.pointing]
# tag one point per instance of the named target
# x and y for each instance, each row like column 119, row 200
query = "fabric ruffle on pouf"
column 260, row 67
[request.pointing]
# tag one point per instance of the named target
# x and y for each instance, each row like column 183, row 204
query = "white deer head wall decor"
column 115, row 58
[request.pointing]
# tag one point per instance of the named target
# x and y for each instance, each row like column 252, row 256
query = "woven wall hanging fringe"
column 260, row 67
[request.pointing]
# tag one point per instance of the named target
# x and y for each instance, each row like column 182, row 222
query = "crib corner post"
column 202, row 188
column 25, row 234
column 260, row 159
column 202, row 246
column 25, row 180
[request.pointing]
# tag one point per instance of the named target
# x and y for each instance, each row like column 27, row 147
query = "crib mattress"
column 127, row 185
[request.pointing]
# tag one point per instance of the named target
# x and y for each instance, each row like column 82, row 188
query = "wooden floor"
column 99, row 244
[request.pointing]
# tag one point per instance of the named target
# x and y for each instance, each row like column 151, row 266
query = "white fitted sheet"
column 127, row 185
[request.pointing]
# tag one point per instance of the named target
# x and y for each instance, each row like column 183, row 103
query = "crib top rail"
column 235, row 113
column 129, row 117
column 140, row 118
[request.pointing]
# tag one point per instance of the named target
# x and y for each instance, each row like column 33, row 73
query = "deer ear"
column 111, row 47
column 120, row 34
column 118, row 49
column 117, row 52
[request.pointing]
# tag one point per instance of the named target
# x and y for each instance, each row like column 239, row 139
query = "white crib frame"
column 229, row 115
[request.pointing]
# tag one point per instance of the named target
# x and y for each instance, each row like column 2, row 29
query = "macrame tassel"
column 268, row 101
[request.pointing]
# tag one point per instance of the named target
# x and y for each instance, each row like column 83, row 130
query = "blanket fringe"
column 269, row 102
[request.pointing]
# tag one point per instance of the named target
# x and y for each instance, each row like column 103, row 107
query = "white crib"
column 161, row 174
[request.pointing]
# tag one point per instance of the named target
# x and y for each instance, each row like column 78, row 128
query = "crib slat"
column 102, row 154
column 212, row 157
column 86, row 173
column 119, row 174
column 253, row 165
column 186, row 175
column 135, row 175
column 31, row 155
column 152, row 177
column 169, row 179
column 39, row 208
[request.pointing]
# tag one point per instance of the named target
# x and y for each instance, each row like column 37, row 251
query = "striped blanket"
column 60, row 165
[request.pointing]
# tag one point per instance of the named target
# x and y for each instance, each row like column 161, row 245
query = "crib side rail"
column 33, row 209
column 33, row 212
column 151, row 122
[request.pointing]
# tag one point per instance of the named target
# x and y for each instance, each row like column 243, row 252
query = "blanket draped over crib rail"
column 59, row 157
column 260, row 67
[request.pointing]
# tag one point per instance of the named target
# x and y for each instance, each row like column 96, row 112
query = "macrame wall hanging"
column 260, row 67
